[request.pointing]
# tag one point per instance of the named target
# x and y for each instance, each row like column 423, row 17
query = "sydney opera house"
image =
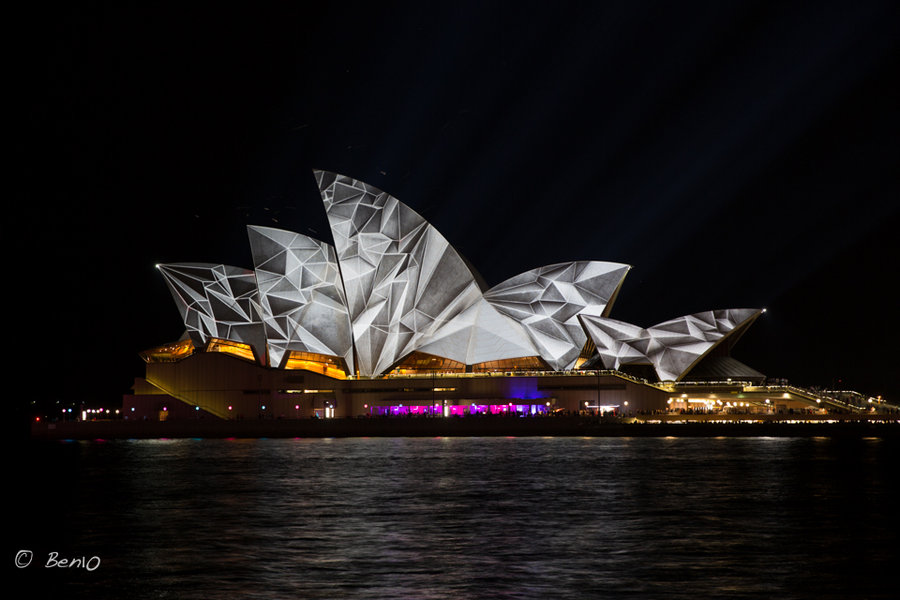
column 392, row 320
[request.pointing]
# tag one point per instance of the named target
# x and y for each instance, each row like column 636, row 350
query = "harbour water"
column 525, row 517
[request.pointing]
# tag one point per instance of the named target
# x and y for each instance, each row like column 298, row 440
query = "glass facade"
column 420, row 362
column 526, row 363
column 233, row 348
column 169, row 352
column 332, row 366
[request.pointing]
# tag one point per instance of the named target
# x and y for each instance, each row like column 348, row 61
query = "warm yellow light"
column 324, row 368
column 169, row 352
column 233, row 348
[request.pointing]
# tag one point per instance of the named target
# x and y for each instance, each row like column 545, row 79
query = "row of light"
column 329, row 411
column 710, row 402
column 93, row 411
column 446, row 410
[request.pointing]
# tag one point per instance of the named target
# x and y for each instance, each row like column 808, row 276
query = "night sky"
column 736, row 154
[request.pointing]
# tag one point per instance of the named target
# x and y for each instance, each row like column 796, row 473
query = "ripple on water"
column 480, row 517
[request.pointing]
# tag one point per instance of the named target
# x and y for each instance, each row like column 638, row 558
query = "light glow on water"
column 534, row 517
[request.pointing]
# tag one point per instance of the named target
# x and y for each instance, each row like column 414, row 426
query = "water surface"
column 463, row 518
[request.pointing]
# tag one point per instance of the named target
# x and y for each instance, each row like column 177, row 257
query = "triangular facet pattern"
column 393, row 285
column 480, row 334
column 547, row 302
column 402, row 279
column 672, row 347
column 217, row 301
column 301, row 297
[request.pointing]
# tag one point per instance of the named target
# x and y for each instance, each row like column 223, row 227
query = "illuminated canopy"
column 301, row 296
column 217, row 301
column 548, row 300
column 672, row 347
column 392, row 288
column 403, row 279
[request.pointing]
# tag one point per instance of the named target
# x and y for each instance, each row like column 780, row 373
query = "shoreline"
column 673, row 425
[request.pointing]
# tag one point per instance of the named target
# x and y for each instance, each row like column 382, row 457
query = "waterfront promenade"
column 648, row 426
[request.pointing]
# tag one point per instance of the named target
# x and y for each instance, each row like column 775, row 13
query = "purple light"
column 460, row 410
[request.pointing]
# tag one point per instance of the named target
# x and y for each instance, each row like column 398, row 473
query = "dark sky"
column 736, row 154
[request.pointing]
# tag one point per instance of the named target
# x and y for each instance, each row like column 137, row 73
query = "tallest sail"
column 402, row 279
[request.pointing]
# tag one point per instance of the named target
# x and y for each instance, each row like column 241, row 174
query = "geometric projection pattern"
column 392, row 285
column 548, row 300
column 217, row 301
column 301, row 298
column 672, row 347
column 480, row 334
column 402, row 279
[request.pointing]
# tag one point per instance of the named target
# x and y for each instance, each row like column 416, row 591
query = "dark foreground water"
column 459, row 518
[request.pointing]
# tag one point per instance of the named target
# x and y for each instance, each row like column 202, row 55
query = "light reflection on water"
column 472, row 517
